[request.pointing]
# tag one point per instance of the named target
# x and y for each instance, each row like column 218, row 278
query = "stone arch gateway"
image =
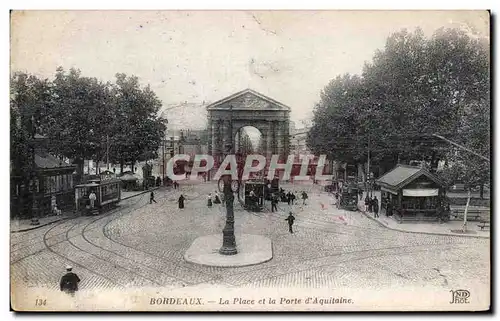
column 248, row 108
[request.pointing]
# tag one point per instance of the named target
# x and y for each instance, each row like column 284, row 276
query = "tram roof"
column 99, row 183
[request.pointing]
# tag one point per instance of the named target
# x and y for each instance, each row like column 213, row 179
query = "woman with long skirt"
column 181, row 201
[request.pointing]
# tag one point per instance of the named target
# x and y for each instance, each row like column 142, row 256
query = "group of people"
column 291, row 197
column 371, row 205
column 288, row 197
column 213, row 199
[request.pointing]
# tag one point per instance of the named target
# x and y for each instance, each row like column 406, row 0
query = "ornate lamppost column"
column 230, row 186
column 228, row 239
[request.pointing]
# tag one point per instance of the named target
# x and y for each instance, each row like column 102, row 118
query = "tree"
column 337, row 123
column 137, row 129
column 80, row 117
column 28, row 101
column 413, row 88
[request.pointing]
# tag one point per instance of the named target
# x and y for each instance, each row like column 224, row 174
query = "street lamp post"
column 228, row 238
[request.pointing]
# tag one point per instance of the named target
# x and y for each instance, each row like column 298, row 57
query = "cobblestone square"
column 142, row 244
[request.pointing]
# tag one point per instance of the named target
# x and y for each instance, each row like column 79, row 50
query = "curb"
column 68, row 218
column 142, row 192
column 428, row 233
column 41, row 225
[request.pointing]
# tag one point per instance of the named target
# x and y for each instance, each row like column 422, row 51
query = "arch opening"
column 248, row 140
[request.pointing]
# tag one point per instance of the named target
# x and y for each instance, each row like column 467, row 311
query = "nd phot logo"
column 459, row 296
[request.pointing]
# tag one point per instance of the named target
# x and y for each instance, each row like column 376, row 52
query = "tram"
column 349, row 194
column 252, row 192
column 107, row 191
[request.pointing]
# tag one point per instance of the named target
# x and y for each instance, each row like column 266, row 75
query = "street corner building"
column 52, row 184
column 412, row 192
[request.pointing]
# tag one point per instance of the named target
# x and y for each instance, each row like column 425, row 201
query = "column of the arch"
column 237, row 143
column 279, row 139
column 286, row 138
column 275, row 137
column 263, row 141
column 210, row 136
column 226, row 137
column 269, row 140
column 216, row 141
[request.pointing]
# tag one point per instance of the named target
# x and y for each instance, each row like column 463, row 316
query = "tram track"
column 40, row 234
column 85, row 229
column 88, row 230
column 162, row 258
column 49, row 247
column 183, row 282
column 58, row 224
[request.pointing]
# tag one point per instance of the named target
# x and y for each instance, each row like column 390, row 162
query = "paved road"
column 143, row 244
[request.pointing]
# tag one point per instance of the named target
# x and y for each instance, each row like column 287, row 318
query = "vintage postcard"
column 250, row 161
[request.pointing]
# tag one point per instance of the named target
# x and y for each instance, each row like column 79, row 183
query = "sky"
column 203, row 56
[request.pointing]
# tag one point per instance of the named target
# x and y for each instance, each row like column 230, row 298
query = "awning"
column 421, row 192
column 388, row 190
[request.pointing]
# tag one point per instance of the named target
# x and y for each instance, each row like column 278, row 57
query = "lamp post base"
column 228, row 250
column 228, row 244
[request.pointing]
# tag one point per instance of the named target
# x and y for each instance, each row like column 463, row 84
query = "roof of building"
column 248, row 93
column 402, row 175
column 128, row 177
column 46, row 161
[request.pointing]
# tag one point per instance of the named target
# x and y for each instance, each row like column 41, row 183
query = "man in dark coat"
column 274, row 202
column 181, row 201
column 69, row 282
column 389, row 209
column 290, row 220
column 152, row 197
column 375, row 206
column 288, row 197
column 304, row 198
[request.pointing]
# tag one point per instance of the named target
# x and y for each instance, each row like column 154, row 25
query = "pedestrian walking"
column 367, row 203
column 216, row 198
column 92, row 198
column 69, row 281
column 152, row 197
column 181, row 201
column 290, row 220
column 209, row 200
column 304, row 197
column 288, row 198
column 292, row 196
column 274, row 202
column 375, row 206
column 388, row 211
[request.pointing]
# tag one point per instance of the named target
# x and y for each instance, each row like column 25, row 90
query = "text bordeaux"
column 176, row 301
